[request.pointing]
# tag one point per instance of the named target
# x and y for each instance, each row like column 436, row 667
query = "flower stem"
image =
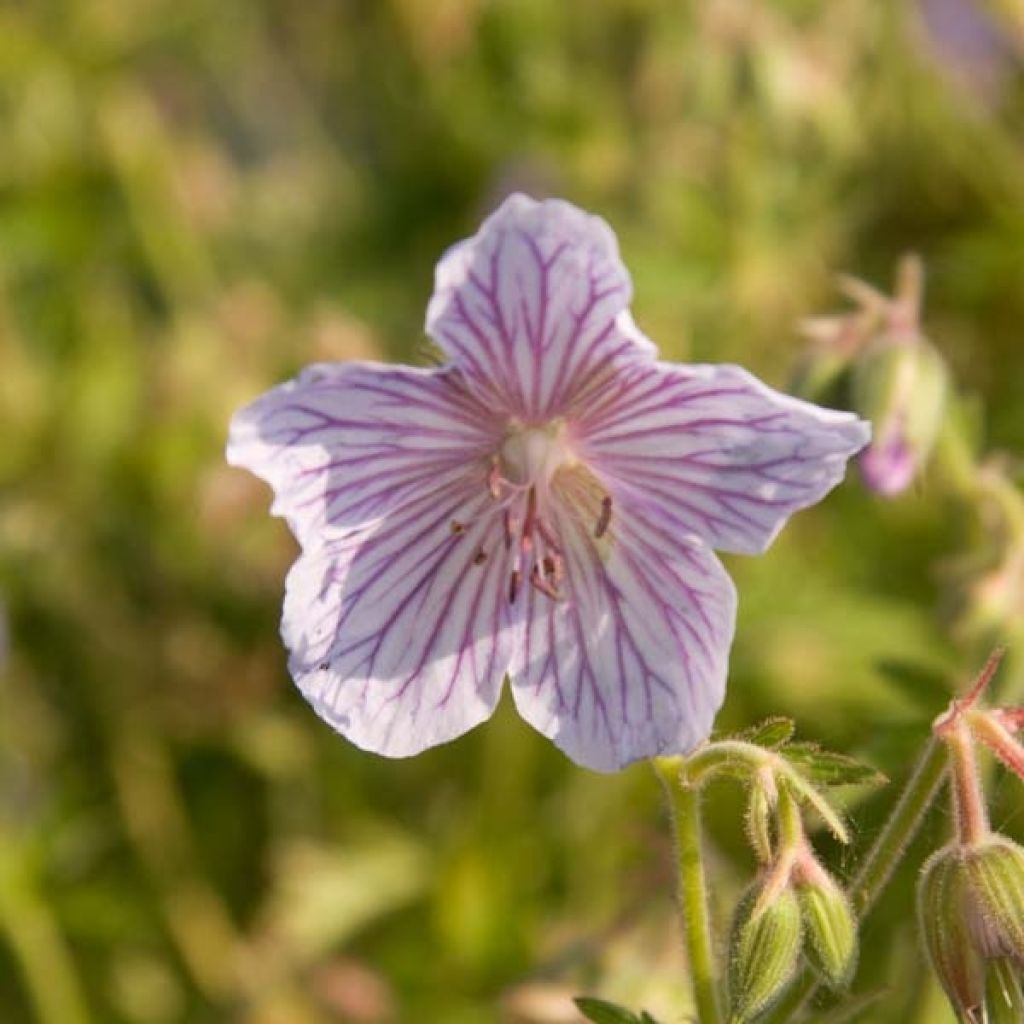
column 900, row 829
column 881, row 860
column 967, row 797
column 33, row 933
column 684, row 810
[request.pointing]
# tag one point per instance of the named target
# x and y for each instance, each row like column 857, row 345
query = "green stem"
column 37, row 944
column 881, row 860
column 900, row 829
column 684, row 810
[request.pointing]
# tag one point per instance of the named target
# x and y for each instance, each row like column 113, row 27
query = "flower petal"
column 400, row 632
column 633, row 663
column 347, row 443
column 534, row 306
column 723, row 456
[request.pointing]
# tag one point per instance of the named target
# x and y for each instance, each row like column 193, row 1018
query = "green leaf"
column 600, row 1011
column 827, row 768
column 771, row 733
column 807, row 793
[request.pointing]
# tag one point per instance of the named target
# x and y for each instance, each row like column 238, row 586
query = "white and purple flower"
column 542, row 507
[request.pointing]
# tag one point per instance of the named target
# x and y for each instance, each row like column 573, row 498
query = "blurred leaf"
column 325, row 894
column 600, row 1011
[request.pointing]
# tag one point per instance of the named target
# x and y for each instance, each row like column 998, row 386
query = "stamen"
column 513, row 586
column 511, row 525
column 480, row 557
column 542, row 584
column 530, row 521
column 548, row 537
column 605, row 518
column 554, row 569
column 457, row 527
column 494, row 478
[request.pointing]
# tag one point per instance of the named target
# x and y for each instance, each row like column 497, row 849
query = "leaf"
column 827, row 768
column 806, row 793
column 600, row 1011
column 771, row 733
column 323, row 895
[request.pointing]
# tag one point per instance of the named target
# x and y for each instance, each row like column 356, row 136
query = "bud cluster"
column 894, row 376
column 970, row 896
column 898, row 378
column 795, row 907
column 795, row 911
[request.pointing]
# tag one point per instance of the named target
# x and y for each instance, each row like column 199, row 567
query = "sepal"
column 830, row 926
column 943, row 898
column 766, row 938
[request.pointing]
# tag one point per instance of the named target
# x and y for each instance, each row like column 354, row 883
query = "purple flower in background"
column 543, row 506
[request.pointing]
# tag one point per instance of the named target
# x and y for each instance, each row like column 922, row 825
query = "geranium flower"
column 542, row 507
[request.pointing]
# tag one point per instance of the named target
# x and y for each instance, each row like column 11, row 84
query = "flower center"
column 531, row 455
column 519, row 480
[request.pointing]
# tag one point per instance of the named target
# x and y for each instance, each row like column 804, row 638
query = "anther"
column 542, row 584
column 480, row 557
column 605, row 517
column 513, row 586
column 511, row 525
column 457, row 527
column 554, row 569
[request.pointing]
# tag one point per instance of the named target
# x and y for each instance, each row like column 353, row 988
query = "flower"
column 543, row 506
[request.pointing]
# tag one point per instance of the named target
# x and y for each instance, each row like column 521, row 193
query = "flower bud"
column 830, row 926
column 995, row 872
column 766, row 941
column 900, row 384
column 943, row 899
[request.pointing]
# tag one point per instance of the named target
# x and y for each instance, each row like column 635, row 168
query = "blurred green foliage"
column 197, row 198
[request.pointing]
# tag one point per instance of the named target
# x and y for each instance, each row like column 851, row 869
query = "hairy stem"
column 881, row 860
column 684, row 810
column 968, row 800
column 888, row 849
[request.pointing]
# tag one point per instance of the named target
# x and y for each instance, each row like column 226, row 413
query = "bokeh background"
column 197, row 198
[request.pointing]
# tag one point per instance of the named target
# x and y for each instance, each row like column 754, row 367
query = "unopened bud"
column 830, row 926
column 943, row 901
column 900, row 384
column 995, row 872
column 767, row 936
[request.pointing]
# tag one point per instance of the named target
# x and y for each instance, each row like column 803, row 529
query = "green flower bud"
column 766, row 938
column 830, row 926
column 995, row 872
column 943, row 902
column 901, row 385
